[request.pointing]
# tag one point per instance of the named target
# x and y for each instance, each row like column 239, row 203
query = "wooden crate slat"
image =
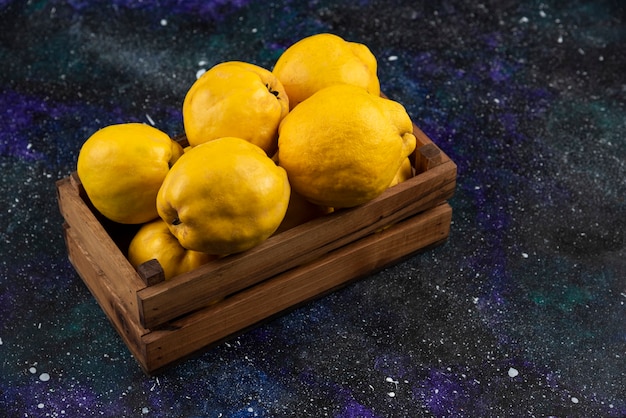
column 124, row 280
column 99, row 284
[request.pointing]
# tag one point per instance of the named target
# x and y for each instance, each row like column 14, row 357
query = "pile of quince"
column 267, row 150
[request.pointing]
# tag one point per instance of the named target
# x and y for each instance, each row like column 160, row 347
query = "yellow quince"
column 343, row 146
column 323, row 60
column 236, row 99
column 224, row 196
column 155, row 241
column 122, row 167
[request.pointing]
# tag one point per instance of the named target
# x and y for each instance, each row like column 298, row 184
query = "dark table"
column 520, row 313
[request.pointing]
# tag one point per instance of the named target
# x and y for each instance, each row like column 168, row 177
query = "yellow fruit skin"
column 237, row 99
column 155, row 241
column 323, row 60
column 404, row 173
column 343, row 146
column 224, row 196
column 122, row 167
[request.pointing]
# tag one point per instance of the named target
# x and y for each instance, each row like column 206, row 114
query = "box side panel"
column 240, row 311
column 99, row 285
column 123, row 278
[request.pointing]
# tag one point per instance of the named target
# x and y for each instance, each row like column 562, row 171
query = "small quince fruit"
column 404, row 173
column 122, row 167
column 155, row 241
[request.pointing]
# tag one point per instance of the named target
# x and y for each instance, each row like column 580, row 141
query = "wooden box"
column 162, row 322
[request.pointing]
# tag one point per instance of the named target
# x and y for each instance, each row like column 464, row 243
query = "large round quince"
column 343, row 146
column 122, row 167
column 236, row 99
column 323, row 60
column 224, row 196
column 155, row 241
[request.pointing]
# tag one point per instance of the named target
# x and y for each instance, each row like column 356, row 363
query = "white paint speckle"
column 150, row 119
column 250, row 409
column 200, row 72
column 254, row 30
column 391, row 394
column 525, row 255
column 144, row 410
column 392, row 58
column 0, row 341
column 524, row 19
column 574, row 399
column 560, row 39
column 33, row 370
column 392, row 380
column 542, row 13
column 40, row 405
column 44, row 377
column 163, row 22
column 513, row 372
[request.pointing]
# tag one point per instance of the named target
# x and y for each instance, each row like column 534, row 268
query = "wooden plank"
column 248, row 307
column 151, row 272
column 428, row 157
column 124, row 280
column 167, row 300
column 99, row 285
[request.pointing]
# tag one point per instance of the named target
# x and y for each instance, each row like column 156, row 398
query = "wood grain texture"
column 124, row 280
column 100, row 286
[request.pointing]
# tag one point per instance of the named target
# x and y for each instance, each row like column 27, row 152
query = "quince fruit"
column 343, row 146
column 324, row 60
column 122, row 167
column 404, row 173
column 155, row 241
column 236, row 99
column 224, row 196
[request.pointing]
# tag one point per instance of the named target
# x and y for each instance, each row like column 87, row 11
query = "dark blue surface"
column 521, row 313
